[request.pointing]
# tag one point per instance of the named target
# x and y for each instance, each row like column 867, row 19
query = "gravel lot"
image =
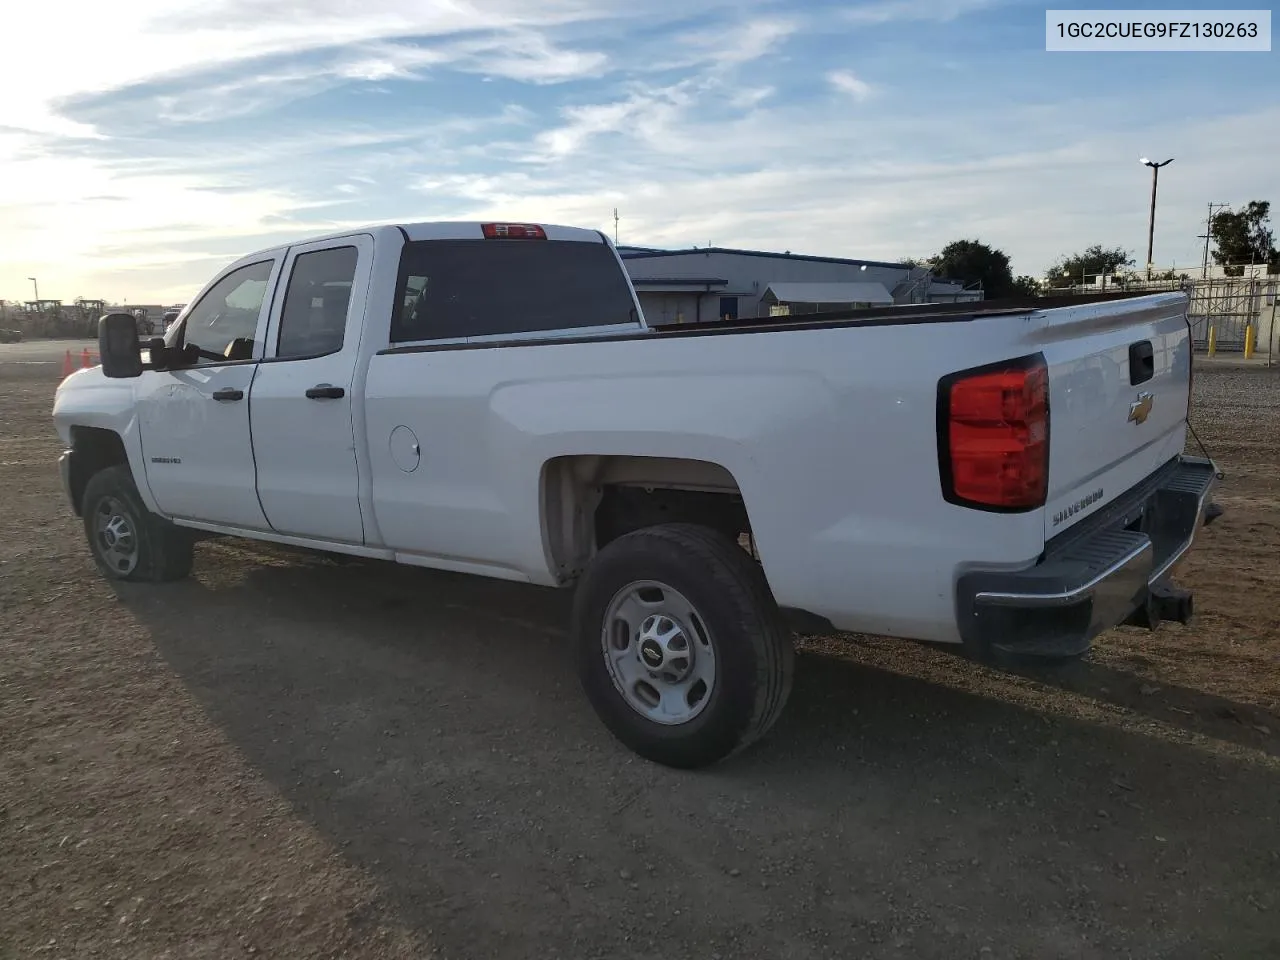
column 291, row 757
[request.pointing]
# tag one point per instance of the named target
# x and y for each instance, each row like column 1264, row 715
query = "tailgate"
column 1119, row 382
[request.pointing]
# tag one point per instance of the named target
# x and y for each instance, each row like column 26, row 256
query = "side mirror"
column 155, row 350
column 241, row 348
column 118, row 347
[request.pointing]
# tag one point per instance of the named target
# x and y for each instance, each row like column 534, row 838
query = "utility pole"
column 1151, row 225
column 37, row 287
column 1208, row 235
column 615, row 226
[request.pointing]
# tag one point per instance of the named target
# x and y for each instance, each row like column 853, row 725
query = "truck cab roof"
column 435, row 230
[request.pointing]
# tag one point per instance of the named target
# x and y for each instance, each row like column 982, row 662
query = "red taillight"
column 513, row 231
column 994, row 437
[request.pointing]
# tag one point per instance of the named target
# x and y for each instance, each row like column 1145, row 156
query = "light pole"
column 37, row 286
column 1151, row 224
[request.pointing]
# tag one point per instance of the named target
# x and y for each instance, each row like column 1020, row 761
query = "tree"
column 1243, row 236
column 973, row 263
column 1025, row 286
column 1091, row 262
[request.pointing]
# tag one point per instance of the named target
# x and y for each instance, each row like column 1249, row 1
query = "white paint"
column 829, row 433
column 180, row 420
column 1092, row 444
column 305, row 450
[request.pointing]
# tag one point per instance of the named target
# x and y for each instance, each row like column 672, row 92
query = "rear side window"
column 478, row 288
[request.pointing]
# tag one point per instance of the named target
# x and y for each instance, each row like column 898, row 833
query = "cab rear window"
column 478, row 288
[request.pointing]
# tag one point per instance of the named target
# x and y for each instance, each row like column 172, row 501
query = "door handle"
column 1142, row 362
column 323, row 391
column 228, row 393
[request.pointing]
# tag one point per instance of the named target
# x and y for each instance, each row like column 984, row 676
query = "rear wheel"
column 680, row 646
column 128, row 541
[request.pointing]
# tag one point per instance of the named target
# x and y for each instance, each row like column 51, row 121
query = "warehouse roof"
column 641, row 253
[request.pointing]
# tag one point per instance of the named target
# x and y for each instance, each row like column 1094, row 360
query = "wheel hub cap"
column 665, row 650
column 659, row 652
column 116, row 542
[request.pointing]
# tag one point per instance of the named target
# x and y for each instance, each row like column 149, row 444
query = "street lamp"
column 1151, row 224
column 37, row 286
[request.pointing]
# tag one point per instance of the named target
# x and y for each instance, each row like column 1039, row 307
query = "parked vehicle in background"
column 488, row 398
column 143, row 322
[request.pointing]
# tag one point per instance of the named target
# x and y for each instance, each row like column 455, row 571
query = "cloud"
column 783, row 176
column 651, row 114
column 236, row 124
column 863, row 191
column 98, row 158
column 895, row 11
column 846, row 82
column 526, row 56
column 170, row 39
column 223, row 93
column 747, row 98
column 741, row 43
column 647, row 115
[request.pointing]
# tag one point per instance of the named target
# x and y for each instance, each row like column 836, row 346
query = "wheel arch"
column 87, row 405
column 589, row 500
column 93, row 449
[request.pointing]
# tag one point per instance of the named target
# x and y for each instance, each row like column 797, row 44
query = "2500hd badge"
column 1071, row 509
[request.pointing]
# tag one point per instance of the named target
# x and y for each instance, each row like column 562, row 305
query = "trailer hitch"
column 1164, row 602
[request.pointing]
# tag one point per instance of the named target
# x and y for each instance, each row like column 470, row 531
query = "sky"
column 145, row 144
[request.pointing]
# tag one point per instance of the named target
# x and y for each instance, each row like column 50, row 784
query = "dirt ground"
column 290, row 757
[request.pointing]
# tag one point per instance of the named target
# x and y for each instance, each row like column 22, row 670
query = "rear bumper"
column 1110, row 569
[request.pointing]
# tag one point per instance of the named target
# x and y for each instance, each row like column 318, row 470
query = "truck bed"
column 903, row 315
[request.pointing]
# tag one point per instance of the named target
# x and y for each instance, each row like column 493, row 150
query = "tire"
column 128, row 541
column 714, row 596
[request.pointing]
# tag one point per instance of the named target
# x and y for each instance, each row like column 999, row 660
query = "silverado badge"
column 1140, row 409
column 1071, row 509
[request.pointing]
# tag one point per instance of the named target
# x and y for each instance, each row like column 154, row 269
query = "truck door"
column 301, row 401
column 194, row 419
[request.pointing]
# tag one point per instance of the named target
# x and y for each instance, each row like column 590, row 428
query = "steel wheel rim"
column 115, row 536
column 659, row 652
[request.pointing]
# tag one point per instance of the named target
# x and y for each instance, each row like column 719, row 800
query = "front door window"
column 223, row 325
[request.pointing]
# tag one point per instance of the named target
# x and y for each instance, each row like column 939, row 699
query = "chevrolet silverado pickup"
column 489, row 398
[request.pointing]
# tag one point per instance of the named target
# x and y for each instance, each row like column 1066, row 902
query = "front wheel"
column 680, row 646
column 128, row 541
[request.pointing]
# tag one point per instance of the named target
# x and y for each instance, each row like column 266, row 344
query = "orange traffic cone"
column 84, row 359
column 67, row 366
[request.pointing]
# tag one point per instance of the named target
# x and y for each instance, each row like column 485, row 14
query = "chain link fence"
column 1227, row 305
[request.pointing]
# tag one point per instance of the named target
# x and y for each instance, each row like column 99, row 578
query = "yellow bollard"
column 1248, row 341
column 1213, row 341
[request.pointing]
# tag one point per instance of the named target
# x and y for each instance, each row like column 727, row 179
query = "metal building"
column 712, row 283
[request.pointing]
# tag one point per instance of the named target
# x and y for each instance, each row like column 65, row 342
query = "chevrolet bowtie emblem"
column 1140, row 409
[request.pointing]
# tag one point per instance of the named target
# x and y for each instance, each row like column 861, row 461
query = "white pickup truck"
column 488, row 398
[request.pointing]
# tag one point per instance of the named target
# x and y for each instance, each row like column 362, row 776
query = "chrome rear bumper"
column 1110, row 569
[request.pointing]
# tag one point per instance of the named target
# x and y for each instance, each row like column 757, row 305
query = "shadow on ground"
column 431, row 726
column 1195, row 711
